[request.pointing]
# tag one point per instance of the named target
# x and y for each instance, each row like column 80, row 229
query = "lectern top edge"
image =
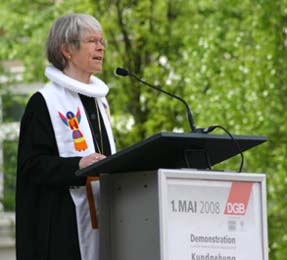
column 170, row 150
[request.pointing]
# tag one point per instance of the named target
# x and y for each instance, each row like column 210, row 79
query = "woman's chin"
column 97, row 69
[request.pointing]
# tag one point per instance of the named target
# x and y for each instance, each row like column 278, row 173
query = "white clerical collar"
column 97, row 88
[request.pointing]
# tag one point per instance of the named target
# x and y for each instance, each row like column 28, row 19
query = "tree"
column 226, row 58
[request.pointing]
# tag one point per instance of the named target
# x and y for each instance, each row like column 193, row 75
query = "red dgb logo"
column 238, row 198
column 235, row 208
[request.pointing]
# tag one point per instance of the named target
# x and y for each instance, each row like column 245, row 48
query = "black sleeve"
column 38, row 157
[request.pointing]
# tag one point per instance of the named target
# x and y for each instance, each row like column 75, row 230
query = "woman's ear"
column 66, row 51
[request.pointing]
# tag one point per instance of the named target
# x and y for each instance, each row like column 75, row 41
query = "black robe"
column 45, row 214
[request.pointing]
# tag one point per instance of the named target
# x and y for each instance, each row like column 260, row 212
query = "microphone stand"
column 189, row 115
column 124, row 72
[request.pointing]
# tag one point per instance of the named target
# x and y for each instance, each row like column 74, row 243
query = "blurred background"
column 226, row 58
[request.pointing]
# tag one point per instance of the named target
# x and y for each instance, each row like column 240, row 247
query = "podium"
column 173, row 151
column 159, row 201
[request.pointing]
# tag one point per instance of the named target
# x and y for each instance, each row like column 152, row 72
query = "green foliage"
column 10, row 162
column 13, row 105
column 227, row 58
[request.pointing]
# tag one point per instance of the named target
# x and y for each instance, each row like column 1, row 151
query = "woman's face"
column 88, row 59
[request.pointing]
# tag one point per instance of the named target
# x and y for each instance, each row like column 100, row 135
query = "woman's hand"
column 90, row 159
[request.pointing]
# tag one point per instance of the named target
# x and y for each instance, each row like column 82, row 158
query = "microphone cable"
column 124, row 73
column 212, row 128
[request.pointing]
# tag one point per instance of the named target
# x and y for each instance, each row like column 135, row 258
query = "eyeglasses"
column 94, row 41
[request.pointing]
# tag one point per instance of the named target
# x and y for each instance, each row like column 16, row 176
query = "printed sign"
column 214, row 220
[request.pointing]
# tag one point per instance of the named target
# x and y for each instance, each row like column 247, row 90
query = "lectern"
column 161, row 201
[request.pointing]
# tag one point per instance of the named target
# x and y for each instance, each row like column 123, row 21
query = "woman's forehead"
column 91, row 33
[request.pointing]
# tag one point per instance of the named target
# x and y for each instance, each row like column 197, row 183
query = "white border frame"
column 165, row 174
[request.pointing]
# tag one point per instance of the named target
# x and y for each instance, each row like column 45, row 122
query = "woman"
column 65, row 127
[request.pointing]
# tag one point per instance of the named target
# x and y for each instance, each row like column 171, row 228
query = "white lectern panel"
column 212, row 216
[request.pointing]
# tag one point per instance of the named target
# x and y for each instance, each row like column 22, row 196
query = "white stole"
column 61, row 100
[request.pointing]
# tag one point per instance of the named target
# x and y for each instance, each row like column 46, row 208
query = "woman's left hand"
column 90, row 159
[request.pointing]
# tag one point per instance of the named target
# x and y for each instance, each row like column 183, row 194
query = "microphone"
column 124, row 73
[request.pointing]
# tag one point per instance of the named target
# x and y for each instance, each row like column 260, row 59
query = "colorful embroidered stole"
column 74, row 138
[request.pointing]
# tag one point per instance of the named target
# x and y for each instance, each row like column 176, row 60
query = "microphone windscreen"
column 122, row 72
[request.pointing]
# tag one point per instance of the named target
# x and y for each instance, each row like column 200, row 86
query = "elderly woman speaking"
column 65, row 127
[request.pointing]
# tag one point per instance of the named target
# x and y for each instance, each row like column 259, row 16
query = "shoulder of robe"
column 36, row 104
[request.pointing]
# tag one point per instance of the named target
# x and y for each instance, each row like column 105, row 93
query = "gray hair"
column 68, row 29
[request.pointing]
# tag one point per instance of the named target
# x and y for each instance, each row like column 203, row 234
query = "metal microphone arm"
column 124, row 73
column 189, row 115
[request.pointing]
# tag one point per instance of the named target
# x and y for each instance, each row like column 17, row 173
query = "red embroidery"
column 73, row 122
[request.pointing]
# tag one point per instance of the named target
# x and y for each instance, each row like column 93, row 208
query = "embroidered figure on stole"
column 73, row 122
